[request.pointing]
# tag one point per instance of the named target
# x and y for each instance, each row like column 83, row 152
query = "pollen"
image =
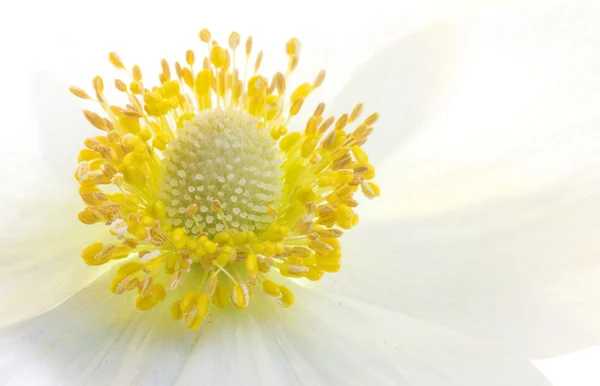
column 208, row 183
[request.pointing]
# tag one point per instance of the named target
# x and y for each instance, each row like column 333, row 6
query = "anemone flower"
column 479, row 254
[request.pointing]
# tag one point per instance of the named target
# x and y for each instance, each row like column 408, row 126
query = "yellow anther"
column 190, row 57
column 178, row 234
column 192, row 320
column 204, row 35
column 369, row 174
column 257, row 86
column 171, row 88
column 292, row 47
column 170, row 262
column 176, row 310
column 91, row 195
column 90, row 216
column 217, row 56
column 240, row 295
column 314, row 273
column 179, row 238
column 319, row 79
column 158, row 293
column 240, row 238
column 159, row 210
column 293, row 63
column 115, row 60
column 341, row 122
column 222, row 238
column 188, row 301
column 326, row 124
column 371, row 119
column 216, row 206
column 296, row 106
column 258, row 247
column 345, row 216
column 309, row 145
column 91, row 254
column 211, row 283
column 248, row 45
column 272, row 289
column 161, row 141
column 209, row 246
column 166, row 71
column 120, row 85
column 360, row 155
column 79, row 92
column 121, row 283
column 203, row 82
column 96, row 120
column 221, row 297
column 258, row 61
column 222, row 259
column 269, row 248
column 189, row 313
column 252, row 265
column 98, row 84
column 203, row 305
column 273, row 107
column 137, row 73
column 191, row 209
column 289, row 141
column 287, row 297
column 301, row 91
column 356, row 112
column 191, row 245
column 130, row 268
column 234, row 40
column 370, row 189
column 141, row 233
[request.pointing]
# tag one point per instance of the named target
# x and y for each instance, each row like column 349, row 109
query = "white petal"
column 40, row 236
column 61, row 124
column 403, row 83
column 516, row 109
column 41, row 244
column 96, row 338
column 333, row 340
column 521, row 270
column 495, row 204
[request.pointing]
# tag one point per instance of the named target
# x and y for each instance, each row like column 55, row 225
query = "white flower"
column 480, row 254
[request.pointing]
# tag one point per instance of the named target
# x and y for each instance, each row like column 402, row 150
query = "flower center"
column 221, row 158
column 202, row 186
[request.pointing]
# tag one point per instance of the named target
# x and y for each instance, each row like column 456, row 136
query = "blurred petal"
column 521, row 270
column 326, row 340
column 403, row 83
column 95, row 338
column 487, row 220
column 62, row 126
column 74, row 44
column 516, row 110
column 41, row 248
column 40, row 235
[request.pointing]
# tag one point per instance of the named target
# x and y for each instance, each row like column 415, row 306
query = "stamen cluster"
column 203, row 187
